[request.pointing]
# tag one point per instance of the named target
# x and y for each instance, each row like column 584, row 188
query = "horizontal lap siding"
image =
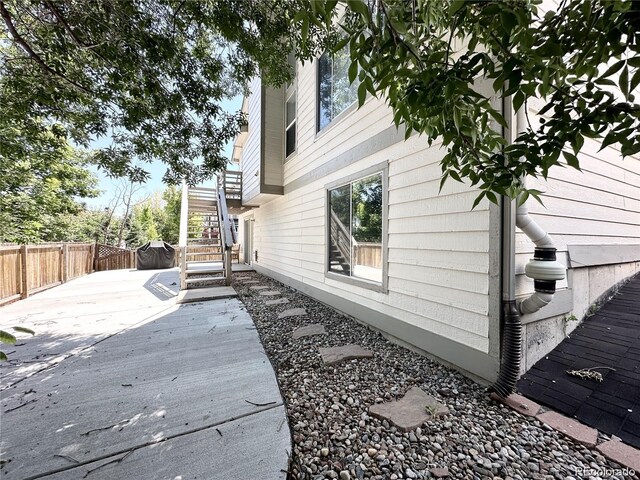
column 598, row 206
column 250, row 160
column 438, row 260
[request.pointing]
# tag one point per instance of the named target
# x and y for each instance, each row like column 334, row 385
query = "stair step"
column 192, row 281
column 208, row 271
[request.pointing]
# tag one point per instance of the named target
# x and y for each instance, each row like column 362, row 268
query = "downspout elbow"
column 543, row 268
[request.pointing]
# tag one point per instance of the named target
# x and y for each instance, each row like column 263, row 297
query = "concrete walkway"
column 121, row 383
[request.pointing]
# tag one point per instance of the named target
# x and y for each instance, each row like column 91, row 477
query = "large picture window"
column 356, row 229
column 335, row 93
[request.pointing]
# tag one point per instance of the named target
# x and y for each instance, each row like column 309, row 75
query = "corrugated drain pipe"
column 543, row 268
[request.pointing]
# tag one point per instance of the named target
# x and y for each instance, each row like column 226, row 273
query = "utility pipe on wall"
column 544, row 269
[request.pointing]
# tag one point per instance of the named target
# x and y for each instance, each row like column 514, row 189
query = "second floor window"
column 335, row 93
column 290, row 112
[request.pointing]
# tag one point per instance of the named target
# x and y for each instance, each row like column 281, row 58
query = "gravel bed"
column 334, row 437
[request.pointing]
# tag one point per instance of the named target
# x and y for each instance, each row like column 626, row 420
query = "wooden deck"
column 611, row 339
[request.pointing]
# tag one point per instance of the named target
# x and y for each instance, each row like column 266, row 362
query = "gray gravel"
column 334, row 437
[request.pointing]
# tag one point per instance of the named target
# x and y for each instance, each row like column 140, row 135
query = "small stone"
column 372, row 452
column 324, row 452
column 345, row 475
column 533, row 467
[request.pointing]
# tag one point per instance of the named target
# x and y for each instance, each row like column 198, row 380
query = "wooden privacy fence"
column 368, row 254
column 113, row 258
column 28, row 269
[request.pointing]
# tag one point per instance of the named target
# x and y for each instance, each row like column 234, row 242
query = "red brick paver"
column 621, row 453
column 580, row 433
column 519, row 403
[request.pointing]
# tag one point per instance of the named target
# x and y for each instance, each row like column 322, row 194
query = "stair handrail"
column 184, row 234
column 340, row 234
column 227, row 232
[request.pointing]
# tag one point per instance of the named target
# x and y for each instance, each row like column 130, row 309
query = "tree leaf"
column 518, row 100
column 571, row 159
column 624, row 82
column 359, row 7
column 455, row 6
column 362, row 94
column 613, row 68
column 6, row 337
column 24, row 330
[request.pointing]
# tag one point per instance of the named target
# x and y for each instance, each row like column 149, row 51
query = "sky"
column 109, row 186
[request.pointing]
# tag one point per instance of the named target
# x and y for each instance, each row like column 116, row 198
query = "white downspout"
column 543, row 268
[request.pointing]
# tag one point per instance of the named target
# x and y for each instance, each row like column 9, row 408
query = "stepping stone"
column 335, row 355
column 250, row 282
column 308, row 330
column 411, row 411
column 277, row 301
column 292, row 312
column 270, row 293
column 259, row 287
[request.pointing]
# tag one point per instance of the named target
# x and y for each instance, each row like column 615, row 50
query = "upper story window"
column 335, row 93
column 291, row 111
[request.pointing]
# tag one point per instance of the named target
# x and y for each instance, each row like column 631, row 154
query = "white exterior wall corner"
column 593, row 216
column 443, row 289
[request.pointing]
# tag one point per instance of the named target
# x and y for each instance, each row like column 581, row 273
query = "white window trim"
column 382, row 287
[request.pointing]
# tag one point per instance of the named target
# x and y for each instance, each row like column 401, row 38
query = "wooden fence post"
column 65, row 263
column 24, row 280
column 132, row 259
column 96, row 252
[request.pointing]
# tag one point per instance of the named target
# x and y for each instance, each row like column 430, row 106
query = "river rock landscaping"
column 335, row 436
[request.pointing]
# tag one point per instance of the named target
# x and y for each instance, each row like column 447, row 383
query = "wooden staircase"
column 207, row 234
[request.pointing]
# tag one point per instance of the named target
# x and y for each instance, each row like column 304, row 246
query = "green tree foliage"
column 38, row 182
column 169, row 230
column 6, row 337
column 425, row 59
column 150, row 74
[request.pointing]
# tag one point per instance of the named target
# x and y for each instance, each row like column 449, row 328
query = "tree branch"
column 32, row 54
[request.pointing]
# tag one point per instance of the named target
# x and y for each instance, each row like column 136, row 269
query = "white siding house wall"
column 598, row 207
column 250, row 160
column 439, row 250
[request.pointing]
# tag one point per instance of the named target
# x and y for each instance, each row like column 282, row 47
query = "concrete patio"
column 120, row 382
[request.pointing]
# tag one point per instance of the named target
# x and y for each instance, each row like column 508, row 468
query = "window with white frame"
column 335, row 93
column 356, row 229
column 290, row 112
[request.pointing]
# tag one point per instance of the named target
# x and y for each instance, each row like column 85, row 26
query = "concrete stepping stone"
column 411, row 411
column 335, row 355
column 259, row 287
column 270, row 293
column 249, row 282
column 277, row 301
column 309, row 330
column 292, row 312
